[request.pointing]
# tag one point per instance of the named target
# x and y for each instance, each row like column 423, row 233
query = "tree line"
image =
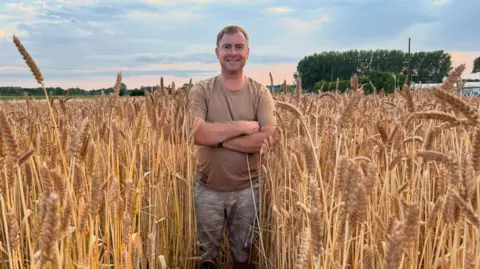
column 58, row 91
column 384, row 68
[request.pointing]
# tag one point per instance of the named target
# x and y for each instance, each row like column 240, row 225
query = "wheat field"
column 352, row 181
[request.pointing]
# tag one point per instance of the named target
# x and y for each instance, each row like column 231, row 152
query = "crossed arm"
column 251, row 143
column 233, row 135
column 213, row 134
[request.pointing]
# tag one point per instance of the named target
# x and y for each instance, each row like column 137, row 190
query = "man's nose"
column 232, row 51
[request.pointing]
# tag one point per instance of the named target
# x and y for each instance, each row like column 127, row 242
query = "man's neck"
column 233, row 81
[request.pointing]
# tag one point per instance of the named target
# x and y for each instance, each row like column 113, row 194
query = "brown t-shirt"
column 220, row 168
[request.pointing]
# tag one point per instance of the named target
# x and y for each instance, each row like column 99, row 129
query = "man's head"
column 232, row 48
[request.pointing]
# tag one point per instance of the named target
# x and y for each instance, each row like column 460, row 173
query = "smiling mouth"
column 233, row 61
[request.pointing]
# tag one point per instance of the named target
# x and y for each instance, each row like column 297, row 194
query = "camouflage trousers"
column 237, row 209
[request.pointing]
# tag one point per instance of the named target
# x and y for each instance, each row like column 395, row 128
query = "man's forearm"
column 212, row 134
column 249, row 143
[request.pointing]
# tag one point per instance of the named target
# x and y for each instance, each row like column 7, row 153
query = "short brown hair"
column 231, row 29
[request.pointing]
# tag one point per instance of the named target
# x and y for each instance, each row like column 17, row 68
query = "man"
column 235, row 115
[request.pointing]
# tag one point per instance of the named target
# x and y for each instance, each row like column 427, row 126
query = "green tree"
column 476, row 65
column 137, row 92
column 428, row 67
column 379, row 79
column 123, row 89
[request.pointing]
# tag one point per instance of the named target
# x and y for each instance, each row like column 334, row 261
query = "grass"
column 377, row 181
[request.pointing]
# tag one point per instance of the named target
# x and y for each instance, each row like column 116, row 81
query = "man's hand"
column 251, row 143
column 250, row 127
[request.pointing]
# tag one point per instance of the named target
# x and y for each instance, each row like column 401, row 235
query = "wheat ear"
column 29, row 60
column 457, row 104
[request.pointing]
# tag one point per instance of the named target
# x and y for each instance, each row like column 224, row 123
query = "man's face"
column 232, row 52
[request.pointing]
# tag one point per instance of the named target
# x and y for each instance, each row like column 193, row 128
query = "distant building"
column 469, row 88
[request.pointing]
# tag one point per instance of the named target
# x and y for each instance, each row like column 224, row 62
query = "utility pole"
column 409, row 72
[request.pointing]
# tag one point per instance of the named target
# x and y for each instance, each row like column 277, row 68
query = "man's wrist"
column 240, row 127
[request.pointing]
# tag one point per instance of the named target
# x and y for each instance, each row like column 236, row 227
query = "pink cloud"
column 466, row 58
column 280, row 72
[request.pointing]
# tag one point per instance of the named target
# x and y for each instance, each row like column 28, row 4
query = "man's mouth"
column 233, row 60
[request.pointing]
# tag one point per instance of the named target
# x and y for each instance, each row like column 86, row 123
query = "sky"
column 84, row 43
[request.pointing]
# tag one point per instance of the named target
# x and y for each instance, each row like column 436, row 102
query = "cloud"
column 466, row 58
column 208, row 58
column 298, row 25
column 95, row 24
column 77, row 2
column 457, row 34
column 278, row 9
column 55, row 74
column 439, row 2
column 180, row 16
column 458, row 56
column 201, row 2
column 176, row 2
column 83, row 33
column 5, row 16
column 11, row 30
column 180, row 73
column 26, row 8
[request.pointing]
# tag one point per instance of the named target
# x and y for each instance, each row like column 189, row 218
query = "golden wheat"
column 108, row 182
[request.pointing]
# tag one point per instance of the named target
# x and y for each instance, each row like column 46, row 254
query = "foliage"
column 279, row 88
column 427, row 67
column 430, row 67
column 17, row 91
column 385, row 80
column 137, row 92
column 123, row 89
column 476, row 65
column 58, row 91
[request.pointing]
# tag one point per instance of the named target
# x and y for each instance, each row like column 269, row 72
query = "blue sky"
column 85, row 43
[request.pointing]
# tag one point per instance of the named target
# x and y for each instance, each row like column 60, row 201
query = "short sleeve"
column 266, row 108
column 198, row 102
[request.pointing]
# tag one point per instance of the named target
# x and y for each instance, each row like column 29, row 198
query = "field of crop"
column 353, row 181
column 43, row 97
